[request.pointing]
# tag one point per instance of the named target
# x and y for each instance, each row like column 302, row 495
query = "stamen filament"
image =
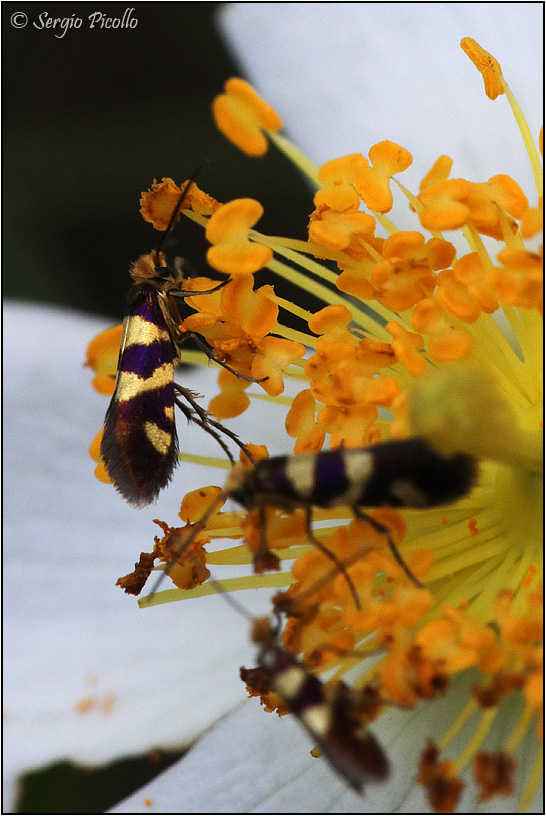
column 206, row 461
column 527, row 137
column 513, row 240
column 416, row 204
column 521, row 728
column 295, row 155
column 328, row 296
column 296, row 310
column 236, row 556
column 476, row 244
column 456, row 726
column 486, row 721
column 275, row 579
column 533, row 782
column 305, row 247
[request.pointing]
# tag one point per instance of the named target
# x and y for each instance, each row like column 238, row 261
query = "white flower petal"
column 253, row 762
column 344, row 76
column 69, row 633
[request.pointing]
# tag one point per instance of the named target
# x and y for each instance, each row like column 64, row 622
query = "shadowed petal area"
column 251, row 763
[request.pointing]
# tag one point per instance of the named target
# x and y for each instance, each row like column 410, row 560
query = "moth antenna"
column 264, row 559
column 229, row 600
column 341, row 566
column 330, row 576
column 331, row 555
column 175, row 212
column 185, row 293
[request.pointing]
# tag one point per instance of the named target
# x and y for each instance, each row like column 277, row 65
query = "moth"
column 402, row 473
column 332, row 715
column 140, row 444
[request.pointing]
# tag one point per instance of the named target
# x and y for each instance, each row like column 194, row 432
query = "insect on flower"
column 331, row 714
column 140, row 445
column 407, row 473
column 402, row 473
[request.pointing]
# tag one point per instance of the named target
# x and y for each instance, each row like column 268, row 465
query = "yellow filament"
column 474, row 241
column 416, row 204
column 528, row 141
column 305, row 314
column 206, row 461
column 520, row 729
column 385, row 222
column 532, row 783
column 452, row 732
column 486, row 721
column 296, row 156
column 277, row 579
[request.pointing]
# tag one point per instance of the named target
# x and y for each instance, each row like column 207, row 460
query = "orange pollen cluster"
column 243, row 116
column 443, row 786
column 158, row 203
column 236, row 322
column 227, row 231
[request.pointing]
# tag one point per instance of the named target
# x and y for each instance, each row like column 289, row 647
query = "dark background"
column 90, row 119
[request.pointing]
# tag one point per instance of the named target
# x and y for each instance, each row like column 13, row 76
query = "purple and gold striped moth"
column 405, row 473
column 402, row 473
column 139, row 445
column 330, row 714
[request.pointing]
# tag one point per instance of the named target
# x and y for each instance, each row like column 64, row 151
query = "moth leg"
column 206, row 421
column 329, row 554
column 198, row 340
column 185, row 293
column 264, row 559
column 392, row 546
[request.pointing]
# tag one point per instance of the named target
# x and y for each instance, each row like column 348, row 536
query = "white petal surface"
column 253, row 762
column 344, row 76
column 69, row 633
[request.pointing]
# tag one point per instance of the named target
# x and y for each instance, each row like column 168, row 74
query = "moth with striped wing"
column 331, row 714
column 405, row 473
column 140, row 444
column 402, row 473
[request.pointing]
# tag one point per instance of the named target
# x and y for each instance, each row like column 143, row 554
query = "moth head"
column 240, row 487
column 153, row 268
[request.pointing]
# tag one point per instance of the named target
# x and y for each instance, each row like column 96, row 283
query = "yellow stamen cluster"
column 428, row 344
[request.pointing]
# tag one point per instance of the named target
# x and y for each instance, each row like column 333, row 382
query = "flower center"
column 518, row 504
